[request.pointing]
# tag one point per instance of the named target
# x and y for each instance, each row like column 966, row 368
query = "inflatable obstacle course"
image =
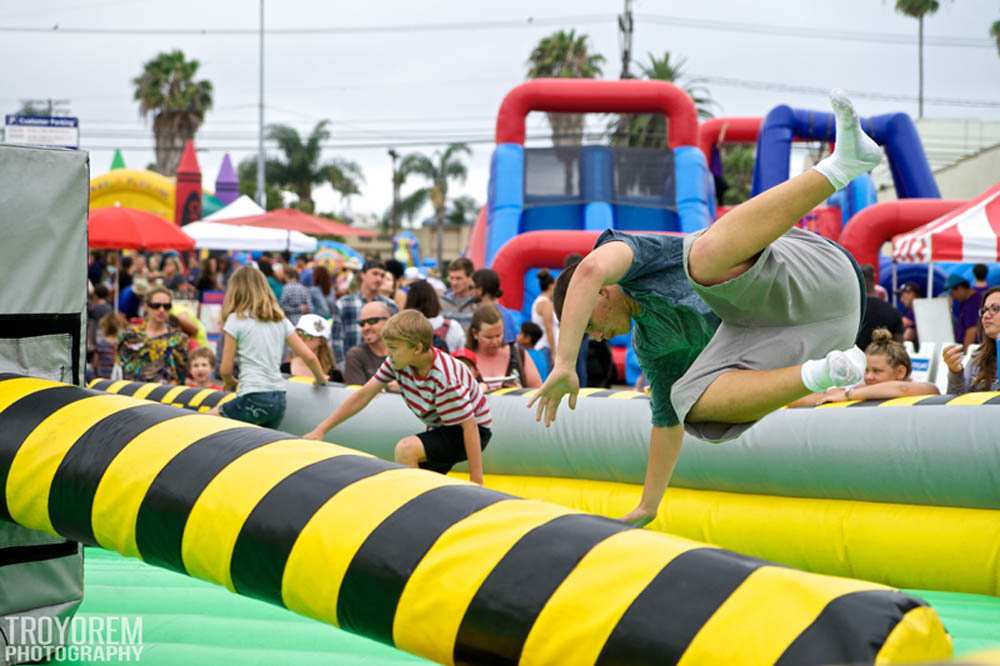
column 432, row 565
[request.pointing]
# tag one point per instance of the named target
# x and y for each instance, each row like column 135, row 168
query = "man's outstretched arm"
column 604, row 266
column 664, row 450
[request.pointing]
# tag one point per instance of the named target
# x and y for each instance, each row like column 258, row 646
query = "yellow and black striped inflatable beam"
column 428, row 563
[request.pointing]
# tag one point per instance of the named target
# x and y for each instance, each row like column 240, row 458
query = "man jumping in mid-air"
column 785, row 298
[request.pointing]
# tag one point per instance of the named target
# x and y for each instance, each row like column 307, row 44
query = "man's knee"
column 409, row 450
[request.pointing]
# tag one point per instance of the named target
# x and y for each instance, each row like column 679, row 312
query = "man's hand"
column 952, row 356
column 315, row 434
column 561, row 381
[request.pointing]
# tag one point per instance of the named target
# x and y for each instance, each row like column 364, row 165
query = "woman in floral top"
column 154, row 351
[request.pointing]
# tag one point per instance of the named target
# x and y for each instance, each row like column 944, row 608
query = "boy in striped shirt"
column 439, row 389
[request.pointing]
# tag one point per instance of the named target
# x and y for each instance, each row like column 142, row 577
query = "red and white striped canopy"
column 969, row 234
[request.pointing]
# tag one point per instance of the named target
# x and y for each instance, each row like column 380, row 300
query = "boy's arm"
column 473, row 449
column 664, row 449
column 226, row 365
column 355, row 402
column 604, row 266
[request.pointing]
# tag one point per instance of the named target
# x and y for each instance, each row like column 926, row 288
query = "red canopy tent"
column 968, row 234
column 121, row 228
column 295, row 220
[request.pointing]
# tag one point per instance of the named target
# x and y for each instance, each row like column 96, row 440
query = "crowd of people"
column 153, row 332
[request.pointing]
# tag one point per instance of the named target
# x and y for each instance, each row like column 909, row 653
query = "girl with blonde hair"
column 255, row 331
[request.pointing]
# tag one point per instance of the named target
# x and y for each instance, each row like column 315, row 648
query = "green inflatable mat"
column 187, row 621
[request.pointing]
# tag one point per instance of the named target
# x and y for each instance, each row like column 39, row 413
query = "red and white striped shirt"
column 447, row 395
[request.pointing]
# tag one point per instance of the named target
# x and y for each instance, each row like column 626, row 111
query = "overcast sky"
column 392, row 72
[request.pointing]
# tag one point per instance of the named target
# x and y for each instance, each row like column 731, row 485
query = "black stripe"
column 164, row 511
column 374, row 581
column 20, row 419
column 520, row 391
column 101, row 385
column 39, row 553
column 665, row 617
column 185, row 397
column 993, row 401
column 935, row 400
column 4, row 376
column 851, row 629
column 213, row 399
column 604, row 394
column 71, row 499
column 157, row 394
column 267, row 536
column 505, row 607
column 131, row 388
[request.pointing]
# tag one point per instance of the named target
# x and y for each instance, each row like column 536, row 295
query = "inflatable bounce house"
column 158, row 194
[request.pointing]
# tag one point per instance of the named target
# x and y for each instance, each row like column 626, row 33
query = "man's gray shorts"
column 800, row 300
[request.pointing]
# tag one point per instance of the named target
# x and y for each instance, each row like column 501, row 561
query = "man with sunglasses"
column 350, row 306
column 364, row 360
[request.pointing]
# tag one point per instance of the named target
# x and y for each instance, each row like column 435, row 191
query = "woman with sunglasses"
column 981, row 372
column 157, row 349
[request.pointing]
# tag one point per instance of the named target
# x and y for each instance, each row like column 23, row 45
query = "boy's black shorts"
column 445, row 446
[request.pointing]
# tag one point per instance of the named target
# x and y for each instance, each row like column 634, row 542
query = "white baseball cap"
column 313, row 324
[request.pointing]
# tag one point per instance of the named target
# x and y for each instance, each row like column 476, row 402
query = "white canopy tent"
column 218, row 236
column 242, row 207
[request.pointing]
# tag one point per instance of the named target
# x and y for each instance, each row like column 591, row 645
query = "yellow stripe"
column 587, row 392
column 300, row 379
column 199, row 397
column 905, row 401
column 218, row 516
column 440, row 589
column 744, row 629
column 626, row 395
column 228, row 398
column 919, row 637
column 117, row 386
column 128, row 477
column 169, row 396
column 971, row 399
column 93, row 381
column 145, row 390
column 596, row 595
column 38, row 458
column 836, row 405
column 13, row 390
column 326, row 545
column 504, row 391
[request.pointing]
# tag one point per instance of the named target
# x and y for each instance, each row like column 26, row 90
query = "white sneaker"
column 846, row 368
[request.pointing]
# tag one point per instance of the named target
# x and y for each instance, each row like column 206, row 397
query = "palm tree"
column 346, row 178
column 995, row 34
column 918, row 9
column 564, row 55
column 301, row 168
column 438, row 169
column 246, row 171
column 167, row 89
column 737, row 164
column 463, row 210
column 649, row 130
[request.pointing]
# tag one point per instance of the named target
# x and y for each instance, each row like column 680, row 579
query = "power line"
column 816, row 33
column 528, row 22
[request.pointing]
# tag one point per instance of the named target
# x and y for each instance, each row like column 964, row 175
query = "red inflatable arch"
column 869, row 229
column 593, row 96
column 742, row 129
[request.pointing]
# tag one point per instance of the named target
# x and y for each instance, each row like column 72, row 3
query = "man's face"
column 461, row 284
column 371, row 279
column 906, row 298
column 961, row 293
column 610, row 316
column 372, row 320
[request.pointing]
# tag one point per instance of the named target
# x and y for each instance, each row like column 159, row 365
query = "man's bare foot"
column 639, row 517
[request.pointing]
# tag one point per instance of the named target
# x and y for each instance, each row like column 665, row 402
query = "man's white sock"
column 855, row 152
column 839, row 368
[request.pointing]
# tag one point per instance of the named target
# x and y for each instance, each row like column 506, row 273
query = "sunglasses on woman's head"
column 159, row 306
column 371, row 321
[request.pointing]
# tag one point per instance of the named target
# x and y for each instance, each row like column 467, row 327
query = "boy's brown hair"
column 410, row 327
column 202, row 352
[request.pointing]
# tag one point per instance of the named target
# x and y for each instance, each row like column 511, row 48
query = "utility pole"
column 920, row 57
column 626, row 26
column 394, row 216
column 261, row 184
